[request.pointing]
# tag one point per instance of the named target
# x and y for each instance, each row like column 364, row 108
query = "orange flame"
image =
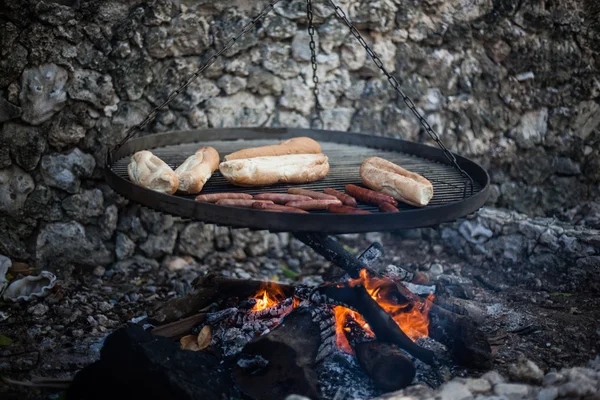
column 268, row 296
column 412, row 317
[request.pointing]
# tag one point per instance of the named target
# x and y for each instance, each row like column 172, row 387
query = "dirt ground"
column 56, row 336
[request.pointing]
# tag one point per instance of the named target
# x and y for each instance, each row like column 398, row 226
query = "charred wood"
column 281, row 362
column 386, row 364
column 211, row 289
column 177, row 329
column 380, row 322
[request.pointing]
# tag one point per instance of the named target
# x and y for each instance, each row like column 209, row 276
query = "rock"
column 99, row 271
column 587, row 118
column 70, row 126
column 66, row 243
column 161, row 244
column 548, row 394
column 553, row 378
column 15, row 187
column 478, row 386
column 511, row 390
column 26, row 144
column 332, row 34
column 377, row 15
column 493, row 377
column 174, row 264
column 240, row 110
column 8, row 110
column 337, row 119
column 94, row 88
column 296, row 96
column 108, row 222
column 42, row 92
column 300, row 45
column 291, row 119
column 65, row 171
column 229, row 22
column 125, row 247
column 158, row 12
column 130, row 223
column 454, row 391
column 568, row 167
column 232, row 84
column 277, row 59
column 197, row 239
column 353, row 55
column 38, row 310
column 526, row 371
column 222, row 237
column 154, row 221
column 186, row 35
column 532, row 128
column 279, row 27
column 84, row 206
column 264, row 83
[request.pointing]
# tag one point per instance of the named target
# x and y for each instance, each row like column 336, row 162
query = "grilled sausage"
column 313, row 204
column 343, row 197
column 241, row 202
column 214, row 197
column 279, row 198
column 337, row 209
column 387, row 207
column 312, row 194
column 277, row 208
column 369, row 196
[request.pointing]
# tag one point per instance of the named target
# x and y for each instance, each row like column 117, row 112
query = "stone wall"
column 510, row 83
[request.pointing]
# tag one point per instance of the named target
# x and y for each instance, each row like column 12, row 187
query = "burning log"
column 385, row 363
column 211, row 289
column 282, row 361
column 380, row 322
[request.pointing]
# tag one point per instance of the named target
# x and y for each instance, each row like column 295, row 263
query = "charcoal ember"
column 251, row 363
column 216, row 317
column 247, row 304
column 137, row 365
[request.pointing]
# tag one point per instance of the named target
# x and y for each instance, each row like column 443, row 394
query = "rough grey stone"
column 548, row 394
column 125, row 247
column 70, row 126
column 66, row 243
column 264, row 83
column 378, row 15
column 241, row 109
column 84, row 206
column 94, row 88
column 293, row 119
column 353, row 56
column 154, row 221
column 158, row 12
column 493, row 377
column 232, row 84
column 187, row 34
column 296, row 96
column 25, row 144
column 42, row 92
column 108, row 222
column 65, row 171
column 526, row 371
column 8, row 110
column 222, row 238
column 300, row 45
column 277, row 59
column 512, row 390
column 332, row 34
column 160, row 244
column 532, row 128
column 337, row 119
column 455, row 391
column 15, row 186
column 232, row 20
column 478, row 386
column 279, row 27
column 197, row 239
column 130, row 223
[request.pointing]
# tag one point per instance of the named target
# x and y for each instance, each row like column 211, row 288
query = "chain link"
column 409, row 103
column 313, row 60
column 136, row 128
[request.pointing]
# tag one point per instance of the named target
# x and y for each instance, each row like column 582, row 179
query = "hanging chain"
column 136, row 128
column 313, row 60
column 409, row 103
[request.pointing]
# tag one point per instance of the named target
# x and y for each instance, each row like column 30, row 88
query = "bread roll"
column 299, row 145
column 386, row 177
column 263, row 171
column 197, row 169
column 149, row 171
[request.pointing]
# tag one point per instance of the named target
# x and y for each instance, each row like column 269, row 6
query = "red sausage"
column 214, row 197
column 313, row 204
column 343, row 197
column 241, row 202
column 387, row 207
column 369, row 196
column 337, row 209
column 312, row 194
column 279, row 198
column 277, row 208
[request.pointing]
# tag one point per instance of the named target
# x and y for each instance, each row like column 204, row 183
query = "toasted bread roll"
column 299, row 145
column 263, row 171
column 197, row 169
column 389, row 178
column 149, row 171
